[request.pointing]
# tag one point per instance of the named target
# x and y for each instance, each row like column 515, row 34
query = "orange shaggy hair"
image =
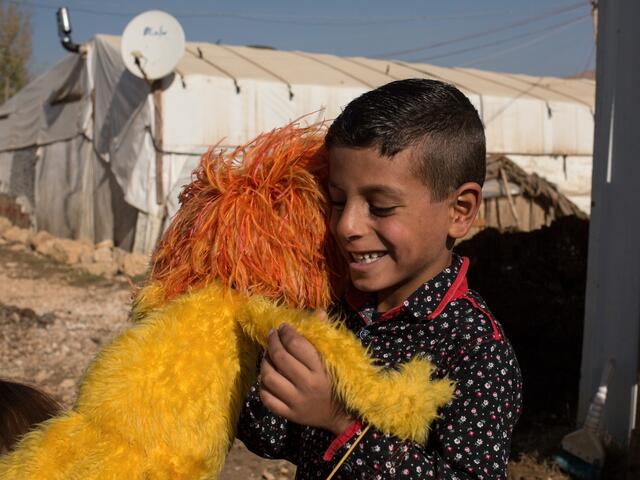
column 256, row 220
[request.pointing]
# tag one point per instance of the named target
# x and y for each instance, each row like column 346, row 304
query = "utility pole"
column 612, row 309
column 594, row 15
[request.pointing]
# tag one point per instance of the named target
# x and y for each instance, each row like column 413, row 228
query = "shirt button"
column 364, row 334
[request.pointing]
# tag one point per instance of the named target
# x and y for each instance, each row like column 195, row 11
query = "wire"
column 305, row 20
column 589, row 59
column 484, row 33
column 524, row 45
column 498, row 42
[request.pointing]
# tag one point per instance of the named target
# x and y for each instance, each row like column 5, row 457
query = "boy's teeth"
column 366, row 257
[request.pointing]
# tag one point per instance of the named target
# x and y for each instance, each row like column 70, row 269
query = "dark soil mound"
column 534, row 283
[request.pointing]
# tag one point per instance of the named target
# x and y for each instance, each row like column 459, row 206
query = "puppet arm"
column 401, row 402
column 161, row 402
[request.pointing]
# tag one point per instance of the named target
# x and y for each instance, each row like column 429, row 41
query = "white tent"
column 78, row 148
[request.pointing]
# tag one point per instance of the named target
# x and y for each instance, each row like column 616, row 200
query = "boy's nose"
column 351, row 225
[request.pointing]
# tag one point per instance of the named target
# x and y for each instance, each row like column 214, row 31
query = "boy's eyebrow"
column 375, row 189
column 382, row 189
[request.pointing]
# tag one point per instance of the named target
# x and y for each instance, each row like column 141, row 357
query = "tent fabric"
column 51, row 108
column 84, row 131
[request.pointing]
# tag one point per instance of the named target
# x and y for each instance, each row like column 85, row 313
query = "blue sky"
column 541, row 37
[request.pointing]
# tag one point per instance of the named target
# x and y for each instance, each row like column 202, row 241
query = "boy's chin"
column 364, row 285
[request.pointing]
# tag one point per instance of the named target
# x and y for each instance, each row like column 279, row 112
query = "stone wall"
column 101, row 259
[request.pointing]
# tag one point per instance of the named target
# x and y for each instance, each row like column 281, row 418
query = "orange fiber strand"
column 241, row 219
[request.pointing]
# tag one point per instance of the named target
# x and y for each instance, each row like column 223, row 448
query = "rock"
column 5, row 224
column 17, row 235
column 47, row 318
column 108, row 244
column 42, row 242
column 103, row 255
column 41, row 376
column 68, row 251
column 102, row 269
column 86, row 257
column 135, row 264
column 67, row 383
column 118, row 257
column 40, row 237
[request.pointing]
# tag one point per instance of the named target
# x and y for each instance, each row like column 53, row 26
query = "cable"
column 504, row 28
column 522, row 45
column 497, row 42
column 305, row 20
column 589, row 58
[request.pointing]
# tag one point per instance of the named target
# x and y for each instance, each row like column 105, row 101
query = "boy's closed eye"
column 381, row 211
column 375, row 210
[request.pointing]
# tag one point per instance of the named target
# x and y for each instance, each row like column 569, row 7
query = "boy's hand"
column 295, row 385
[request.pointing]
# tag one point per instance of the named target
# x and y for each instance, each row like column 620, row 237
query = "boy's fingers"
column 300, row 348
column 283, row 361
column 276, row 384
column 273, row 403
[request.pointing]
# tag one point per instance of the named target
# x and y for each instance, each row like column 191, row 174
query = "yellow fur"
column 162, row 400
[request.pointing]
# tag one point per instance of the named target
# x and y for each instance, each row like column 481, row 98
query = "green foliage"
column 15, row 48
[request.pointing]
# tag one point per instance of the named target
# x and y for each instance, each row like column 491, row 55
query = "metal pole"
column 158, row 135
column 612, row 306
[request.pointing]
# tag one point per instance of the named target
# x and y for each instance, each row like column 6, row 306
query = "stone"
column 40, row 237
column 68, row 251
column 135, row 264
column 5, row 224
column 42, row 242
column 108, row 244
column 67, row 383
column 41, row 376
column 86, row 257
column 47, row 319
column 17, row 235
column 118, row 257
column 102, row 255
column 101, row 269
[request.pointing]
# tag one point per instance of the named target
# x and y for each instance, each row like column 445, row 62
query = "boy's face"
column 393, row 236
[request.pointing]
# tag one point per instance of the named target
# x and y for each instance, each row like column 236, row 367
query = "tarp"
column 84, row 130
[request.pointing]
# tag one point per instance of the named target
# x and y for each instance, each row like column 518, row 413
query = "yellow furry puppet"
column 247, row 251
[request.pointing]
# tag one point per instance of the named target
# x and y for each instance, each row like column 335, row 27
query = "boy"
column 407, row 162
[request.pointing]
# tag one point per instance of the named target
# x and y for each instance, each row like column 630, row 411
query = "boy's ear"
column 465, row 202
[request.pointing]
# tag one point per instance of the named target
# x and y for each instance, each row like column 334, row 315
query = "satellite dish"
column 152, row 45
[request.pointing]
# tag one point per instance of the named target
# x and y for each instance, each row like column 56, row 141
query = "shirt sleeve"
column 471, row 440
column 265, row 434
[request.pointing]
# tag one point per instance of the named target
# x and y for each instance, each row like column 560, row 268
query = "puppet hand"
column 296, row 385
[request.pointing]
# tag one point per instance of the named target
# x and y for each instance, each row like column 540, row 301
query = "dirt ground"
column 54, row 319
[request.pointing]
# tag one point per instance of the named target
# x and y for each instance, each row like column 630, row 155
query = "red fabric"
column 496, row 332
column 458, row 289
column 343, row 438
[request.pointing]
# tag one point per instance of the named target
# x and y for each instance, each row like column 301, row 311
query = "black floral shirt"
column 449, row 324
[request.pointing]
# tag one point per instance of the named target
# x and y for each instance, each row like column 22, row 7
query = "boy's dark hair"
column 21, row 408
column 435, row 118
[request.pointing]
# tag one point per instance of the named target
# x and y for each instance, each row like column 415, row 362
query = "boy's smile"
column 392, row 234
